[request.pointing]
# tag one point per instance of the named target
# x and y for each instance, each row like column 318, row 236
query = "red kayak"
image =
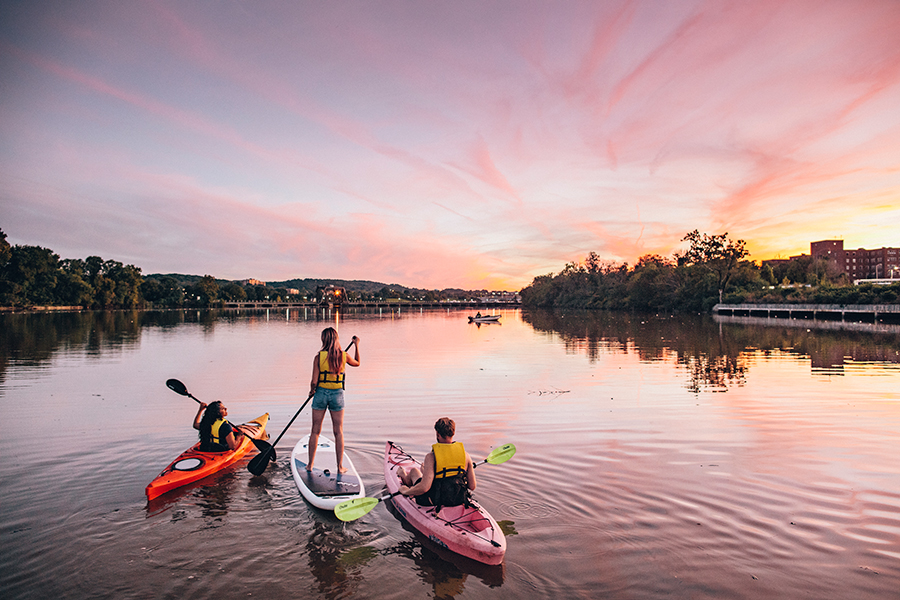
column 192, row 464
column 470, row 531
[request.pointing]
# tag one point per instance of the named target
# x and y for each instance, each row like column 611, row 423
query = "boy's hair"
column 445, row 427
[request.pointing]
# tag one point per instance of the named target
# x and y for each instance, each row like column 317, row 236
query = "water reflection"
column 31, row 339
column 786, row 487
column 338, row 572
column 445, row 571
column 211, row 494
column 829, row 345
column 716, row 354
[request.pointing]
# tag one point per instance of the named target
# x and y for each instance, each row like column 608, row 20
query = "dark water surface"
column 657, row 457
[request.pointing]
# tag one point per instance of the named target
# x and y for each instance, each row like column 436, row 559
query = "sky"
column 471, row 144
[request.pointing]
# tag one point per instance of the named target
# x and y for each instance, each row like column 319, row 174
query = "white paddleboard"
column 324, row 487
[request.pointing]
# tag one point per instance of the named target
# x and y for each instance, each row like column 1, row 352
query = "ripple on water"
column 535, row 510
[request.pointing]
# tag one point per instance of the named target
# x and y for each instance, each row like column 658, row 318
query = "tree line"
column 713, row 269
column 36, row 276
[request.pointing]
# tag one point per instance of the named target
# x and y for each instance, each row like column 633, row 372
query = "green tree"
column 152, row 290
column 104, row 291
column 5, row 250
column 29, row 277
column 113, row 283
column 232, row 291
column 72, row 289
column 127, row 280
column 716, row 254
column 651, row 284
column 164, row 291
column 204, row 292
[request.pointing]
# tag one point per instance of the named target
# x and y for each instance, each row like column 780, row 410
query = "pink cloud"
column 434, row 143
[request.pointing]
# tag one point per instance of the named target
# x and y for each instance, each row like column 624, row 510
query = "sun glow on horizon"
column 446, row 145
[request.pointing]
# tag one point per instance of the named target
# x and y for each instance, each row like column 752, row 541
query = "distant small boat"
column 484, row 319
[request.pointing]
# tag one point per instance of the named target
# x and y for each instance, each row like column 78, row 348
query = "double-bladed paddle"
column 179, row 388
column 356, row 508
column 498, row 455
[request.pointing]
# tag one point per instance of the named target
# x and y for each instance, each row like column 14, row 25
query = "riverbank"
column 867, row 313
column 10, row 309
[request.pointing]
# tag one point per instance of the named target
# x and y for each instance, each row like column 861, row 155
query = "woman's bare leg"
column 337, row 427
column 317, row 417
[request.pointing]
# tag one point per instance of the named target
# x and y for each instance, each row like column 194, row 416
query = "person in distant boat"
column 216, row 433
column 478, row 315
column 447, row 475
column 328, row 386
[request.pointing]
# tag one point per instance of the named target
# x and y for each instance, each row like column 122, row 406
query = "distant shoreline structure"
column 266, row 305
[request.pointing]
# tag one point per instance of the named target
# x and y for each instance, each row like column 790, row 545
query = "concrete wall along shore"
column 867, row 313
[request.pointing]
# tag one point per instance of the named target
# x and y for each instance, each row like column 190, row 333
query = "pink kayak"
column 471, row 531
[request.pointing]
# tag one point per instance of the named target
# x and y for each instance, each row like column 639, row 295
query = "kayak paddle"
column 356, row 508
column 498, row 455
column 179, row 388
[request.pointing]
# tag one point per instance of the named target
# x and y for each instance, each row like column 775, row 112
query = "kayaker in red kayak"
column 328, row 386
column 216, row 433
column 449, row 473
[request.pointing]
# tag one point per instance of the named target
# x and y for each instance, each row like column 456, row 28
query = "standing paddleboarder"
column 327, row 384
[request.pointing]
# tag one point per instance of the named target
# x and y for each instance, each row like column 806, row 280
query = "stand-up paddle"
column 259, row 462
column 179, row 388
column 358, row 507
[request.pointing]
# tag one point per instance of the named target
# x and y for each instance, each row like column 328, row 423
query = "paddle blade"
column 501, row 454
column 263, row 446
column 177, row 387
column 259, row 462
column 356, row 508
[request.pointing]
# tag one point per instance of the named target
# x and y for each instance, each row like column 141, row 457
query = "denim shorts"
column 330, row 399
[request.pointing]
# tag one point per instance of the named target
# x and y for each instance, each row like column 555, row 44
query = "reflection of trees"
column 715, row 355
column 710, row 358
column 720, row 372
column 30, row 339
column 824, row 347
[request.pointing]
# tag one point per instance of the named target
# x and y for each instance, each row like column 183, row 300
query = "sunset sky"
column 472, row 144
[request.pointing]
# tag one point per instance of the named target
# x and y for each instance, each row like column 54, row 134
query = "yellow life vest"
column 449, row 459
column 327, row 380
column 214, row 433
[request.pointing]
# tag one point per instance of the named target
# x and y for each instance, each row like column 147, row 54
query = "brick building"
column 881, row 263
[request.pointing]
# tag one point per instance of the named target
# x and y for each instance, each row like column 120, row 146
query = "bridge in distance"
column 373, row 304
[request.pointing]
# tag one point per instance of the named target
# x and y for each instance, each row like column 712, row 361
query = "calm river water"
column 657, row 457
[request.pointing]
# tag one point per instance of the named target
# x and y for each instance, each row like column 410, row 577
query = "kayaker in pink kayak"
column 449, row 474
column 216, row 433
column 328, row 386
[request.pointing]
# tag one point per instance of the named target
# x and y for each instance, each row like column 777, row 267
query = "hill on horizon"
column 307, row 284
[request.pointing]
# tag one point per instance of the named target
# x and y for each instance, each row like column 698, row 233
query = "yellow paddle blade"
column 356, row 508
column 501, row 454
